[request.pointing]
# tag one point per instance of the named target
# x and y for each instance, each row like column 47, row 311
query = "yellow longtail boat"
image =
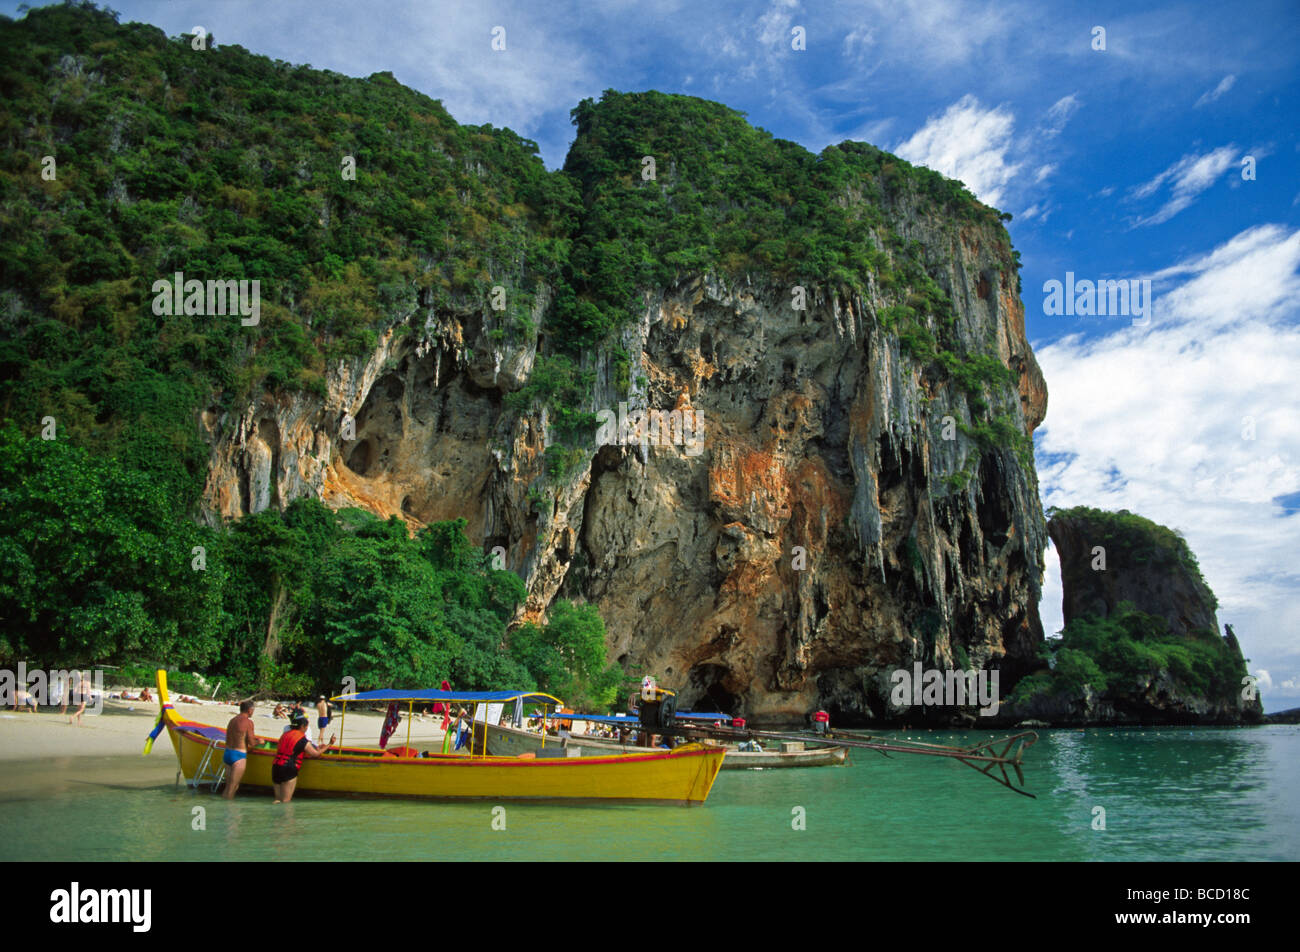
column 682, row 776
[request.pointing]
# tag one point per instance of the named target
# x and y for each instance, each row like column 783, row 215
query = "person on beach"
column 240, row 736
column 23, row 700
column 322, row 716
column 79, row 697
column 293, row 747
column 443, row 709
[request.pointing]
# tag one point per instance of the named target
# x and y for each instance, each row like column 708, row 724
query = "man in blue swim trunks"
column 322, row 718
column 240, row 735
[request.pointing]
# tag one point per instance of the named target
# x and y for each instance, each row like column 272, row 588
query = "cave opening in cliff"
column 705, row 691
column 358, row 460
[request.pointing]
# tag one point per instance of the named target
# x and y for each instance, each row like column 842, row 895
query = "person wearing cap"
column 322, row 716
column 289, row 754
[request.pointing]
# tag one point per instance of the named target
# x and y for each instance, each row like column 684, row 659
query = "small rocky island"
column 1141, row 642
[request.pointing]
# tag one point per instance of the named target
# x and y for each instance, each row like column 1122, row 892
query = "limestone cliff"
column 1135, row 602
column 849, row 513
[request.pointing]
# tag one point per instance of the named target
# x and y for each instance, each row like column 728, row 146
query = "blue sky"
column 1123, row 162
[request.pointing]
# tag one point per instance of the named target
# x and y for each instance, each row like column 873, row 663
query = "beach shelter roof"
column 633, row 721
column 462, row 697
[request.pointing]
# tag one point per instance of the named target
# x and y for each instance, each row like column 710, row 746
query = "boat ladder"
column 210, row 771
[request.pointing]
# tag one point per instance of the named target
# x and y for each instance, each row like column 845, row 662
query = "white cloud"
column 1059, row 115
column 940, row 33
column 858, row 43
column 874, row 131
column 1155, row 420
column 442, row 50
column 775, row 25
column 1050, row 607
column 1210, row 95
column 970, row 143
column 1186, row 178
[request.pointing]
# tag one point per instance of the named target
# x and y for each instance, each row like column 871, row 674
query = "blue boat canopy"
column 631, row 721
column 453, row 697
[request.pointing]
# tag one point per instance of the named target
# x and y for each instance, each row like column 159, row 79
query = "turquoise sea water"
column 1169, row 794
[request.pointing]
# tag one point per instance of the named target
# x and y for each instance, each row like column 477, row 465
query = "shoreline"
column 122, row 727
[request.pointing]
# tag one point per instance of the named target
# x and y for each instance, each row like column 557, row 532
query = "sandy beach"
column 122, row 726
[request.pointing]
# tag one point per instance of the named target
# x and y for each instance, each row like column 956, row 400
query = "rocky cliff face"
column 1111, row 562
column 841, row 521
column 1152, row 577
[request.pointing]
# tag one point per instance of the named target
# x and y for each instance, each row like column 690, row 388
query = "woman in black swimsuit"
column 293, row 747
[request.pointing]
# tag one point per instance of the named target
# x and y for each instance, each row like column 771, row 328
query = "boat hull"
column 683, row 776
column 819, row 757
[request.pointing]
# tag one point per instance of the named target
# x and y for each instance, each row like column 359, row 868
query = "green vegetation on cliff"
column 225, row 165
column 1122, row 655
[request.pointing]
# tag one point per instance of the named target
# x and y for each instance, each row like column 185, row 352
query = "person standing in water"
column 240, row 736
column 289, row 754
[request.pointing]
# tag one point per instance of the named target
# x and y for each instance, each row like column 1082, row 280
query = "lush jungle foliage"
column 129, row 156
column 96, row 566
column 1127, row 651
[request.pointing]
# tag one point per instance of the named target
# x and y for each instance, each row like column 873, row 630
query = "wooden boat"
column 817, row 757
column 682, row 776
column 513, row 741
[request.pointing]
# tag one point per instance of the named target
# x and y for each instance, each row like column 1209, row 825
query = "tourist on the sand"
column 322, row 716
column 240, row 736
column 65, row 691
column 293, row 747
column 145, row 695
column 23, row 700
column 79, row 697
column 280, row 711
column 443, row 709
